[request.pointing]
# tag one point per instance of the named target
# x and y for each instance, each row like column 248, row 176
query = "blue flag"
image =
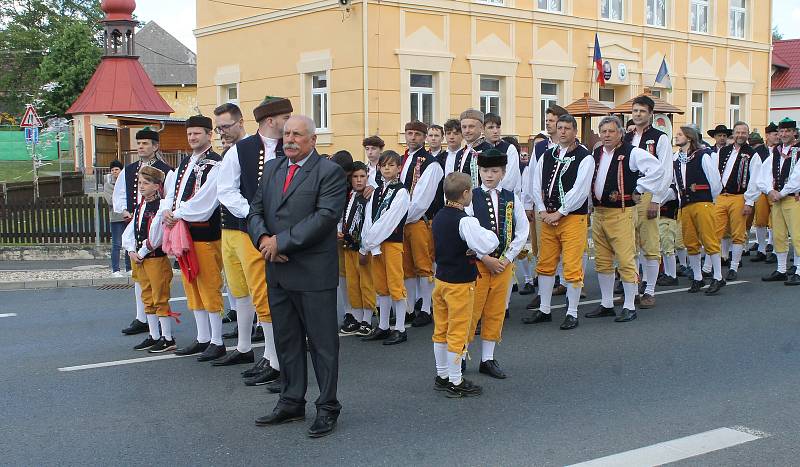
column 662, row 77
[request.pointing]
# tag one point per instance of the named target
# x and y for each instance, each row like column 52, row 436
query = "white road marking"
column 678, row 449
column 183, row 299
column 136, row 360
column 7, row 315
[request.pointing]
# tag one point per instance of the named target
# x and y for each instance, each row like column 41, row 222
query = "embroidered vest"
column 382, row 200
column 551, row 194
column 142, row 231
column 502, row 222
column 209, row 230
column 620, row 181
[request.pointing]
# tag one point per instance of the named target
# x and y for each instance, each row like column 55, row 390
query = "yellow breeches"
column 647, row 229
column 565, row 241
column 699, row 229
column 669, row 231
column 613, row 232
column 761, row 217
column 728, row 217
column 387, row 271
column 417, row 250
column 786, row 222
column 360, row 289
column 452, row 314
column 490, row 302
column 205, row 292
column 154, row 276
column 245, row 271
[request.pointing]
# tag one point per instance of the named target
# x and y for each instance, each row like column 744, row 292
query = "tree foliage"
column 776, row 35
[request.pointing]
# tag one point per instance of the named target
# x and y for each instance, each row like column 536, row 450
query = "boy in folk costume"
column 382, row 236
column 152, row 270
column 761, row 219
column 500, row 211
column 373, row 146
column 458, row 240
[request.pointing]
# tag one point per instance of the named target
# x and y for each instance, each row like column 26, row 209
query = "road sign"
column 31, row 118
column 32, row 135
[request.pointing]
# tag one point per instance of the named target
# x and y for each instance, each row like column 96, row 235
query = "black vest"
column 378, row 197
column 762, row 151
column 438, row 199
column 419, row 162
column 452, row 263
column 142, row 232
column 649, row 141
column 209, row 230
column 467, row 158
column 552, row 202
column 613, row 194
column 353, row 221
column 697, row 189
column 132, row 180
column 497, row 222
column 740, row 175
column 781, row 174
column 540, row 148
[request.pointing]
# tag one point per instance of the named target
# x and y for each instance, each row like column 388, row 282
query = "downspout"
column 365, row 64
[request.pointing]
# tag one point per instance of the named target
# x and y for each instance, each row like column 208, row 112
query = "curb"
column 70, row 283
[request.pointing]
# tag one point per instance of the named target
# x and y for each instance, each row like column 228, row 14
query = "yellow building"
column 431, row 59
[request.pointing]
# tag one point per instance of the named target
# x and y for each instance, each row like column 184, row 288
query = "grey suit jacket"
column 304, row 220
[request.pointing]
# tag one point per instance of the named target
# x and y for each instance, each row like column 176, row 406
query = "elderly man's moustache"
column 291, row 146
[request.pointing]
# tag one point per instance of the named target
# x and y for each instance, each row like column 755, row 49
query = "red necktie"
column 292, row 169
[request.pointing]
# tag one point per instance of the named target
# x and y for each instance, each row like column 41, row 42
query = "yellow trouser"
column 669, row 231
column 728, row 217
column 679, row 245
column 452, row 314
column 417, row 250
column 647, row 229
column 613, row 233
column 154, row 276
column 387, row 271
column 786, row 222
column 490, row 302
column 565, row 241
column 205, row 292
column 245, row 270
column 360, row 290
column 699, row 229
column 762, row 208
column 534, row 235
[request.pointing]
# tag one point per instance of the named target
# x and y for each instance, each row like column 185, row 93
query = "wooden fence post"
column 96, row 220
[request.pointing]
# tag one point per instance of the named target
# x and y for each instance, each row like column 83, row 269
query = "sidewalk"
column 15, row 275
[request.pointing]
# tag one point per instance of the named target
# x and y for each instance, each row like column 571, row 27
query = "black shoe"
column 279, row 416
column 364, row 329
column 570, row 322
column 323, row 426
column 681, row 271
column 396, row 337
column 715, row 286
column 538, row 317
column 794, row 279
column 377, row 334
column 666, row 281
column 258, row 335
column 266, row 376
column 232, row 335
column 527, row 289
column 492, row 368
column 771, row 258
column 775, row 276
column 212, row 352
column 260, row 365
column 236, row 358
column 146, row 344
column 642, row 287
column 600, row 312
column 440, row 384
column 422, row 319
column 627, row 315
column 514, row 288
column 758, row 258
column 274, row 387
column 618, row 288
column 726, row 262
column 747, row 252
column 696, row 286
column 791, row 270
column 753, row 247
column 770, row 248
column 230, row 316
column 418, row 305
column 350, row 325
column 478, row 328
column 136, row 327
column 410, row 317
column 731, row 275
column 163, row 345
column 464, row 389
column 534, row 304
column 193, row 348
column 707, row 275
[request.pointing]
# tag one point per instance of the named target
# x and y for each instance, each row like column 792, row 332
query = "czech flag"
column 598, row 61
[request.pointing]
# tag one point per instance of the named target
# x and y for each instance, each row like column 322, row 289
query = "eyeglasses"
column 223, row 128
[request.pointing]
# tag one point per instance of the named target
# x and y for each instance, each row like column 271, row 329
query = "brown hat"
column 473, row 114
column 374, row 140
column 199, row 121
column 416, row 125
column 272, row 106
column 152, row 174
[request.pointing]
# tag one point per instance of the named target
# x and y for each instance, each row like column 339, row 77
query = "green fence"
column 13, row 147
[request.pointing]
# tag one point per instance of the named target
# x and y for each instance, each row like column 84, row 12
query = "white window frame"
column 695, row 6
column 697, row 109
column 734, row 12
column 611, row 104
column 324, row 100
column 735, row 110
column 420, row 92
column 545, row 100
column 656, row 93
column 548, row 8
column 654, row 4
column 492, row 95
column 224, row 93
column 611, row 11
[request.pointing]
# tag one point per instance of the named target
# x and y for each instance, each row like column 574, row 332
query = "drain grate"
column 115, row 287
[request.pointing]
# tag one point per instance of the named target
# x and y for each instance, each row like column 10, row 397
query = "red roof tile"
column 120, row 85
column 786, row 56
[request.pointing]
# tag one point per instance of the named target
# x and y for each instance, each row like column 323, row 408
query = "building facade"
column 785, row 101
column 431, row 59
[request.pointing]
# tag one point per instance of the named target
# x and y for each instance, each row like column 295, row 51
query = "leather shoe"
column 758, row 258
column 235, row 358
column 647, row 301
column 537, row 317
column 193, row 348
column 258, row 335
column 715, row 286
column 396, row 337
column 136, row 327
column 422, row 319
column 492, row 368
column 731, row 275
column 772, row 258
column 794, row 279
column 775, row 276
column 627, row 315
column 212, row 352
column 377, row 334
column 570, row 322
column 274, row 387
column 527, row 289
column 666, row 281
column 696, row 286
column 681, row 271
column 600, row 312
column 279, row 416
column 534, row 304
column 231, row 335
column 266, row 376
column 256, row 369
column 323, row 425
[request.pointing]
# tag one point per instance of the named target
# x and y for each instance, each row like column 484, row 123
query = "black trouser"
column 296, row 315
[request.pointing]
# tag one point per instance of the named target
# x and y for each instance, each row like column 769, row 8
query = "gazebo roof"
column 662, row 106
column 587, row 107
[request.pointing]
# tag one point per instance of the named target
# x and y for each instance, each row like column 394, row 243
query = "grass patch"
column 22, row 171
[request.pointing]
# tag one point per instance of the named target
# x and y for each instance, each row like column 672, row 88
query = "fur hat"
column 152, row 174
column 272, row 106
column 147, row 133
column 492, row 158
column 374, row 140
column 416, row 125
column 473, row 114
column 199, row 121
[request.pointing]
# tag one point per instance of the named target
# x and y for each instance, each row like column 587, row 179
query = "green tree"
column 776, row 35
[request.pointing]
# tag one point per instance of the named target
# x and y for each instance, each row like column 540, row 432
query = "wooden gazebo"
column 586, row 108
column 662, row 106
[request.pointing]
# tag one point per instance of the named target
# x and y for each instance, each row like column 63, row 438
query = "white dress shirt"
column 664, row 153
column 478, row 239
column 202, row 204
column 521, row 226
column 639, row 161
column 576, row 196
column 119, row 199
column 424, row 190
column 373, row 234
column 155, row 235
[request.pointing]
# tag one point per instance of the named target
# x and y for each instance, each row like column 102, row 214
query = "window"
column 550, row 5
column 230, row 93
column 697, row 109
column 549, row 96
column 737, row 18
column 611, row 9
column 319, row 100
column 606, row 96
column 699, row 18
column 657, row 13
column 735, row 109
column 422, row 97
column 490, row 95
column 656, row 93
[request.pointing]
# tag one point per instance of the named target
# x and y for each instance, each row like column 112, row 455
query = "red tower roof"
column 120, row 86
column 786, row 56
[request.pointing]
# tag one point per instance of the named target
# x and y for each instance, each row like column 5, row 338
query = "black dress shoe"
column 229, row 317
column 492, row 368
column 627, row 315
column 681, row 271
column 323, row 426
column 232, row 335
column 463, row 389
column 538, row 317
column 193, row 348
column 770, row 248
column 772, row 258
column 747, row 252
column 715, row 286
column 136, row 327
column 274, row 387
column 794, row 279
column 256, row 369
column 731, row 275
column 279, row 416
column 527, row 289
column 212, row 352
column 758, row 258
column 235, row 358
column 570, row 322
column 422, row 319
column 396, row 337
column 696, row 286
column 534, row 304
column 666, row 281
column 601, row 312
column 258, row 335
column 753, row 247
column 266, row 376
column 377, row 334
column 775, row 276
column 791, row 270
column 410, row 317
column 440, row 384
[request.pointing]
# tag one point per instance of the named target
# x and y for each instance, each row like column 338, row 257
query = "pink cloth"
column 178, row 243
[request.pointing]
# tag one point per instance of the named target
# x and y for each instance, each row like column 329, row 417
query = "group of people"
column 441, row 233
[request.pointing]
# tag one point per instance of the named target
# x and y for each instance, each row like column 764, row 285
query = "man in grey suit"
column 292, row 222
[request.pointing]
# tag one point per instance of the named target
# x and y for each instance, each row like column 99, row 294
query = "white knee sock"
column 683, row 257
column 411, row 294
column 761, row 239
column 630, row 289
column 796, row 262
column 716, row 262
column 606, row 289
column 342, row 300
column 670, row 268
column 269, row 346
column 400, row 307
column 366, row 316
column 385, row 306
column 166, row 327
column 782, row 258
column 487, row 350
column 532, row 270
column 137, row 294
column 203, row 326
column 454, row 367
column 585, row 262
column 440, row 356
column 231, row 299
column 573, row 297
column 546, row 284
column 519, row 272
column 426, row 292
column 707, row 267
column 651, row 276
column 769, row 237
column 736, row 256
column 245, row 310
column 694, row 262
column 152, row 323
column 725, row 247
column 560, row 269
column 216, row 327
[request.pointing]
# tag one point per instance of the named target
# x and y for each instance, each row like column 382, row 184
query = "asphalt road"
column 690, row 365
